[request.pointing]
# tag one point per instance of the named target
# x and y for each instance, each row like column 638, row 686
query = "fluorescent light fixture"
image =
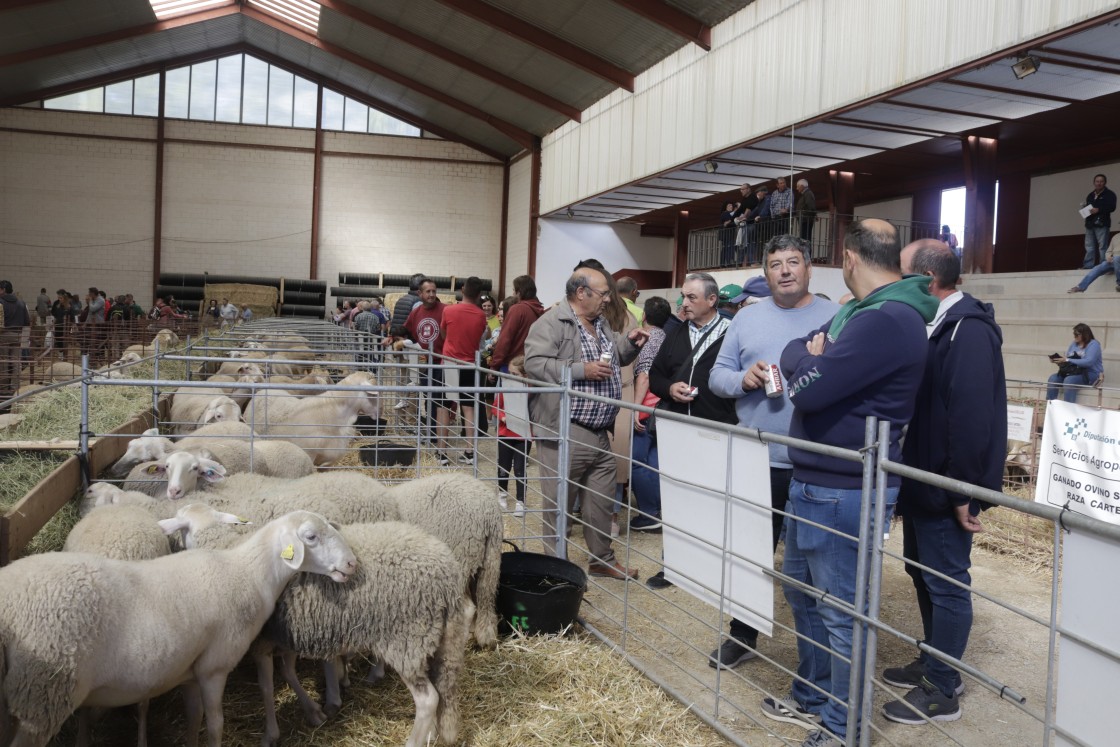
column 302, row 13
column 165, row 9
column 711, row 166
column 1027, row 65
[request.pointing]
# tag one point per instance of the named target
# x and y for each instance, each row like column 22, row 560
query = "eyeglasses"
column 599, row 294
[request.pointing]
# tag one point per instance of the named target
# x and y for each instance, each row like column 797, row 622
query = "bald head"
column 583, row 277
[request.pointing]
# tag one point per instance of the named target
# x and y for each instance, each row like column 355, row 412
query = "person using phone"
column 1082, row 365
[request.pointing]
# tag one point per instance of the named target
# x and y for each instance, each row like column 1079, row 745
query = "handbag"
column 651, row 421
column 1069, row 369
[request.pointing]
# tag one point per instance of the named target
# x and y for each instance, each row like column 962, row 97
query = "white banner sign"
column 1019, row 422
column 1079, row 464
column 713, row 541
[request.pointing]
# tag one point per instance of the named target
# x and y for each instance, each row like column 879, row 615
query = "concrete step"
column 989, row 287
column 1055, row 305
column 1057, row 333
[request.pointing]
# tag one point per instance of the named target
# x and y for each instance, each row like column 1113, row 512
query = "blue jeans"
column 646, row 482
column 1096, row 243
column 828, row 562
column 1104, row 268
column 938, row 542
column 1070, row 392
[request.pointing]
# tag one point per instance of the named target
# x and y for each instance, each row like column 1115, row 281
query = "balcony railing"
column 715, row 248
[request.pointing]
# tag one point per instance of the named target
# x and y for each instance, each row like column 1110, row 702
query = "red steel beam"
column 672, row 19
column 524, row 138
column 544, row 41
column 29, row 55
column 462, row 61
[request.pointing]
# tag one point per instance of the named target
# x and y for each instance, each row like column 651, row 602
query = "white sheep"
column 322, row 426
column 462, row 512
column 149, row 446
column 194, row 520
column 166, row 338
column 174, row 475
column 225, row 428
column 124, row 532
column 344, row 496
column 273, row 458
column 106, row 494
column 82, row 631
column 191, row 408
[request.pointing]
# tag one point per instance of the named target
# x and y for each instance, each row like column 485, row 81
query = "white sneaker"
column 503, row 499
column 614, row 528
column 518, row 510
column 401, row 404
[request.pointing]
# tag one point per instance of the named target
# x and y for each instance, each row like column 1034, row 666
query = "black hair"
column 657, row 311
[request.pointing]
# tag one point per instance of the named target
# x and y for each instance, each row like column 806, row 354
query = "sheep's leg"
column 192, row 711
column 376, row 672
column 333, row 670
column 212, row 686
column 271, row 735
column 427, row 703
column 142, row 726
column 484, row 620
column 311, row 710
column 445, row 669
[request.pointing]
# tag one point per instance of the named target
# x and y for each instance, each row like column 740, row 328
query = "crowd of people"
column 761, row 214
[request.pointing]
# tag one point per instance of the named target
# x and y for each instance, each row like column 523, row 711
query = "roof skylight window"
column 165, row 9
column 302, row 13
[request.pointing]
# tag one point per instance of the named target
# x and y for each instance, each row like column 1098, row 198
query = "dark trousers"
column 938, row 542
column 511, row 461
column 779, row 497
column 9, row 362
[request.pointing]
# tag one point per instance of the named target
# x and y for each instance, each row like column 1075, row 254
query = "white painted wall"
column 900, row 209
column 562, row 243
column 1056, row 197
column 831, row 53
column 517, row 222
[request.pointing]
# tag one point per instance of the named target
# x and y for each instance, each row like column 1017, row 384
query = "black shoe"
column 646, row 524
column 924, row 702
column 442, row 460
column 658, row 581
column 467, row 457
column 731, row 653
column 910, row 676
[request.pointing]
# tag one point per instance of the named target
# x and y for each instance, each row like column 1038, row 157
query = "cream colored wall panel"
column 77, row 122
column 1056, row 197
column 790, row 61
column 517, row 222
column 900, row 209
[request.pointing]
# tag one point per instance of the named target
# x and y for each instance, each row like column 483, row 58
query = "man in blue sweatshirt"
column 868, row 361
column 756, row 338
column 959, row 430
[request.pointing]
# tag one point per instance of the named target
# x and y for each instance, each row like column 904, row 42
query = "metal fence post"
column 563, row 458
column 874, row 593
column 859, row 630
column 83, row 432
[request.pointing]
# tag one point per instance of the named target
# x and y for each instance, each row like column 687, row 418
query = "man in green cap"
column 726, row 293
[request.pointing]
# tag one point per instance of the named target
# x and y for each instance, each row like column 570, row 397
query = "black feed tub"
column 385, row 454
column 370, row 427
column 538, row 593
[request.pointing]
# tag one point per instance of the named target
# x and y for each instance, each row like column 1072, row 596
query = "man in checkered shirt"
column 573, row 334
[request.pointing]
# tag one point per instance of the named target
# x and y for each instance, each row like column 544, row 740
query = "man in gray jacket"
column 573, row 334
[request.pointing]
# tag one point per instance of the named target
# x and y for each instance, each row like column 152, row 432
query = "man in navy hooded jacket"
column 868, row 360
column 959, row 430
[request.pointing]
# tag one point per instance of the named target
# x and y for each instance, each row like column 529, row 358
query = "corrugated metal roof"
column 34, row 26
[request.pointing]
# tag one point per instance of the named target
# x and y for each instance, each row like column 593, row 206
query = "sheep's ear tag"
column 288, row 553
column 152, row 469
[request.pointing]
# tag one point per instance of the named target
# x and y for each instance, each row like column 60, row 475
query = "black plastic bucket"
column 538, row 593
column 385, row 454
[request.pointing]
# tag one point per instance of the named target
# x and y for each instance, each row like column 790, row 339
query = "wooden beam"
column 32, row 512
column 462, row 61
column 672, row 19
column 17, row 4
column 372, row 101
column 52, row 50
column 522, row 137
column 544, row 41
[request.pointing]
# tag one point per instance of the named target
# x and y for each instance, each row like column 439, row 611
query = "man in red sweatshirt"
column 515, row 327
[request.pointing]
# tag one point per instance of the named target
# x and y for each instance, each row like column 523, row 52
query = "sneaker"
column 503, row 499
column 518, row 510
column 924, row 703
column 910, row 676
column 731, row 653
column 1076, row 289
column 442, row 460
column 401, row 404
column 822, row 739
column 646, row 524
column 467, row 457
column 658, row 581
column 790, row 711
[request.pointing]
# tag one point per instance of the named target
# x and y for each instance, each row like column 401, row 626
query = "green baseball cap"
column 727, row 292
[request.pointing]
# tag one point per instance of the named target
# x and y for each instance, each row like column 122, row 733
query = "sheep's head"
column 194, row 518
column 149, row 447
column 305, row 541
column 183, row 471
column 220, row 410
column 100, row 494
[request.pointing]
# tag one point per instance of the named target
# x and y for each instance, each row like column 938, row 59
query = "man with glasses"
column 574, row 335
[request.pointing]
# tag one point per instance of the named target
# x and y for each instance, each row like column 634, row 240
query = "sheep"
column 274, row 458
column 196, row 520
column 149, row 446
column 238, row 368
column 322, row 426
column 225, row 428
column 344, row 496
column 174, row 475
column 121, row 531
column 166, row 338
column 106, row 494
column 143, row 351
column 461, row 511
column 191, row 408
column 82, row 631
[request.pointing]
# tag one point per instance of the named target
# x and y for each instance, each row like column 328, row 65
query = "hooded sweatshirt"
column 959, row 428
column 15, row 311
column 515, row 328
column 872, row 364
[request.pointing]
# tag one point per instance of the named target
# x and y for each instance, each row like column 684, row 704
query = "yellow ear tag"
column 288, row 553
column 243, row 520
column 152, row 469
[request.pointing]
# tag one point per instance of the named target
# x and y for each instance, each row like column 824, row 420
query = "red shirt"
column 463, row 327
column 423, row 325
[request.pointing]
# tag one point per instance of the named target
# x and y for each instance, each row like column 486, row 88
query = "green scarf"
column 912, row 290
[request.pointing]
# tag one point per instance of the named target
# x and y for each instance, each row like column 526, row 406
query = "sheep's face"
column 221, row 409
column 183, row 471
column 102, row 494
column 194, row 518
column 308, row 542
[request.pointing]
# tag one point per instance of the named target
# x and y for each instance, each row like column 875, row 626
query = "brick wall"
column 239, row 206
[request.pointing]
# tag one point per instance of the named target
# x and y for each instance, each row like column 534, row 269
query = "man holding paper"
column 1097, row 212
